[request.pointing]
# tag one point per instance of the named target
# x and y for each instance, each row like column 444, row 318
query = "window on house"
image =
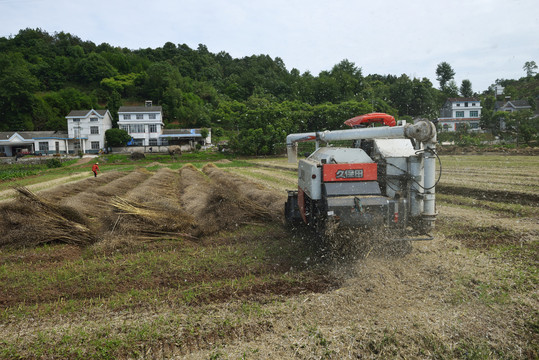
column 474, row 125
column 465, row 104
column 474, row 113
column 43, row 146
column 2, row 149
column 137, row 128
column 153, row 116
column 459, row 114
column 95, row 145
column 127, row 116
column 124, row 127
column 138, row 142
column 94, row 130
column 76, row 120
column 153, row 128
column 93, row 119
column 153, row 142
column 76, row 145
column 473, row 104
column 458, row 104
column 140, row 116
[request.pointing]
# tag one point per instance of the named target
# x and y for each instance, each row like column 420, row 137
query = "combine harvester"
column 386, row 180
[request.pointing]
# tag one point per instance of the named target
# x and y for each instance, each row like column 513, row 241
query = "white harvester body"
column 387, row 179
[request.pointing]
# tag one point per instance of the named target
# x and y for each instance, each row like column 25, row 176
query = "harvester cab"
column 386, row 180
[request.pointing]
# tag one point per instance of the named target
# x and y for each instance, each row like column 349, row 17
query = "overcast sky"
column 483, row 40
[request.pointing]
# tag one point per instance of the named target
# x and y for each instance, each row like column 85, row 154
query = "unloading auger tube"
column 418, row 171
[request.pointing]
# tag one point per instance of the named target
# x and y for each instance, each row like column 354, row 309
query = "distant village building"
column 86, row 133
column 186, row 138
column 509, row 105
column 143, row 123
column 86, row 130
column 13, row 143
column 459, row 111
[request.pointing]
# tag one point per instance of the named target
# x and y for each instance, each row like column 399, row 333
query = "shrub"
column 54, row 163
column 137, row 156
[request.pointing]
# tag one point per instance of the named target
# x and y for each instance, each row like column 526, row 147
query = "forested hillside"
column 255, row 99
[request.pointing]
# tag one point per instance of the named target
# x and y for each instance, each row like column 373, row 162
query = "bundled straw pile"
column 217, row 203
column 94, row 201
column 256, row 201
column 32, row 220
column 63, row 191
column 152, row 208
column 119, row 207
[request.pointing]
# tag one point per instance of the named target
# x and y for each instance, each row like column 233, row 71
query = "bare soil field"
column 195, row 263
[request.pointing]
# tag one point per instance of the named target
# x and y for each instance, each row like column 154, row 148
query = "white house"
column 458, row 111
column 30, row 142
column 143, row 123
column 509, row 105
column 87, row 129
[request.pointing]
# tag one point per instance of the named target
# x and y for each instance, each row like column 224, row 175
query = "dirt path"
column 83, row 160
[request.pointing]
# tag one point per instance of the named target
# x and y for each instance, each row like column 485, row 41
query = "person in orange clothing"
column 95, row 169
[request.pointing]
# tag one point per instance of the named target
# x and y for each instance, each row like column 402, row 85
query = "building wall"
column 460, row 111
column 51, row 146
column 80, row 130
column 141, row 129
column 454, row 125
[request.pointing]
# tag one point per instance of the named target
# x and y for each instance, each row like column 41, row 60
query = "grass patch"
column 54, row 281
column 489, row 161
column 479, row 237
column 506, row 208
column 227, row 265
column 278, row 182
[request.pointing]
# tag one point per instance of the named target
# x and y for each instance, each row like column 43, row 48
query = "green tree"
column 117, row 137
column 114, row 101
column 466, row 88
column 160, row 77
column 524, row 126
column 451, row 89
column 444, row 73
column 17, row 86
column 401, row 94
column 349, row 80
column 94, row 68
column 530, row 67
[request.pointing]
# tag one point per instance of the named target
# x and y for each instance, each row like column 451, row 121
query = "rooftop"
column 145, row 109
column 462, row 99
column 76, row 113
column 29, row 135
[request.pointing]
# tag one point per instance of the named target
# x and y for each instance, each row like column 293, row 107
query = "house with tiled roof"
column 509, row 105
column 33, row 142
column 86, row 133
column 86, row 129
column 143, row 123
column 458, row 111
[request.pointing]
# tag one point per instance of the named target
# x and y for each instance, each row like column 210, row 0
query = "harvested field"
column 151, row 209
column 195, row 264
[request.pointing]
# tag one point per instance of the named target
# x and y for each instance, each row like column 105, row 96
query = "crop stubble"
column 439, row 301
